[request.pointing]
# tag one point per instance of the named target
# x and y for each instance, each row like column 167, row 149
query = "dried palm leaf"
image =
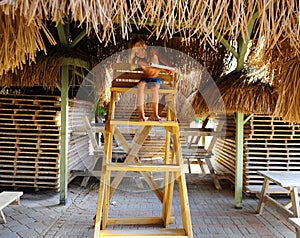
column 235, row 92
column 21, row 40
column 288, row 90
column 207, row 19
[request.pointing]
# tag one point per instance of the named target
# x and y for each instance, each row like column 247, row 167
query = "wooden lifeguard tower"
column 125, row 80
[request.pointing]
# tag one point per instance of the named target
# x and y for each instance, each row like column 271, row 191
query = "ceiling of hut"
column 210, row 20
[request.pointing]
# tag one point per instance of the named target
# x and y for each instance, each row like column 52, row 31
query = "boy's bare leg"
column 141, row 88
column 155, row 100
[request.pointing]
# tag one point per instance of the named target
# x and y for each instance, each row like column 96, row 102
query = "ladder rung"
column 143, row 167
column 144, row 123
column 135, row 221
column 144, row 233
column 146, row 91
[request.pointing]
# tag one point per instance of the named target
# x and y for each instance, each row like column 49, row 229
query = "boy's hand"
column 176, row 70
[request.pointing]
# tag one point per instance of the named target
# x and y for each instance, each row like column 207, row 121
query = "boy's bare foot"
column 142, row 118
column 157, row 118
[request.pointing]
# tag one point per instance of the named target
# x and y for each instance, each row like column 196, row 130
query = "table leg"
column 295, row 206
column 263, row 194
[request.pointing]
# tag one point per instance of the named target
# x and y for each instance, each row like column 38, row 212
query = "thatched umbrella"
column 283, row 67
column 288, row 90
column 235, row 92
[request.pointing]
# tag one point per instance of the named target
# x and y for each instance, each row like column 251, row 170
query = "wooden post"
column 240, row 56
column 63, row 33
column 64, row 135
column 63, row 198
column 239, row 160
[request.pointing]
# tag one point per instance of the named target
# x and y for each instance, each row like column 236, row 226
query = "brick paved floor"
column 212, row 212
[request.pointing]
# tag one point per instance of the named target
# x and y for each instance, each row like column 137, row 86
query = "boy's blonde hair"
column 137, row 40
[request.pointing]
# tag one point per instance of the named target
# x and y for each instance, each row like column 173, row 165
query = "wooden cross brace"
column 132, row 156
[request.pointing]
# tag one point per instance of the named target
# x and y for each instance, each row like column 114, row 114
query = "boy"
column 143, row 57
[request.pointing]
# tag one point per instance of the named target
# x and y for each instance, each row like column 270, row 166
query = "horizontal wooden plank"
column 143, row 167
column 135, row 220
column 145, row 123
column 43, row 136
column 40, row 162
column 145, row 233
column 30, row 184
column 24, row 177
column 146, row 91
column 29, row 172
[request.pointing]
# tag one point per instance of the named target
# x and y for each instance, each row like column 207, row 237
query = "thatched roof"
column 282, row 66
column 46, row 69
column 235, row 92
column 288, row 90
column 209, row 20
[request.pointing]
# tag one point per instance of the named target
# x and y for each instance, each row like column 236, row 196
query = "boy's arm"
column 131, row 56
column 143, row 63
column 160, row 57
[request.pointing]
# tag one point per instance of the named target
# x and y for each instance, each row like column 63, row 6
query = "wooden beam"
column 61, row 34
column 79, row 38
column 144, row 123
column 64, row 135
column 143, row 167
column 145, row 233
column 239, row 160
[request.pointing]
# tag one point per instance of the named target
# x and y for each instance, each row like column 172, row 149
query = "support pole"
column 64, row 135
column 239, row 160
column 63, row 34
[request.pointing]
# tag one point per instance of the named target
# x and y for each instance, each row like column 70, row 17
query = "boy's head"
column 139, row 46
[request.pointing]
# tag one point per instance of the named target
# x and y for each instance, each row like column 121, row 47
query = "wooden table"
column 296, row 222
column 288, row 180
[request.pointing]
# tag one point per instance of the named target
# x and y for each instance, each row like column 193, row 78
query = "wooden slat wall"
column 79, row 148
column 270, row 145
column 29, row 141
column 224, row 150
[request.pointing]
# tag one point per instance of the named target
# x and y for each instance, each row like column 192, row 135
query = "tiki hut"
column 30, row 30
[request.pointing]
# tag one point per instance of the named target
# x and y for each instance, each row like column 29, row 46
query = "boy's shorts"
column 151, row 80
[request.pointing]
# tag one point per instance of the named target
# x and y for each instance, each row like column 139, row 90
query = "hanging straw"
column 288, row 91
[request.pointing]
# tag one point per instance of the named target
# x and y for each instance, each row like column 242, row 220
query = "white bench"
column 296, row 222
column 7, row 198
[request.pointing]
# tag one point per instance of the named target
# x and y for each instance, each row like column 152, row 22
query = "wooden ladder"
column 171, row 167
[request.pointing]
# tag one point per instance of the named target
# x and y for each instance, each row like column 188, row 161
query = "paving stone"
column 29, row 233
column 5, row 234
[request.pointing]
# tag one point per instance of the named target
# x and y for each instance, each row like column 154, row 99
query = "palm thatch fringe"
column 235, row 92
column 273, row 62
column 21, row 39
column 45, row 72
column 248, row 97
column 288, row 90
column 189, row 18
